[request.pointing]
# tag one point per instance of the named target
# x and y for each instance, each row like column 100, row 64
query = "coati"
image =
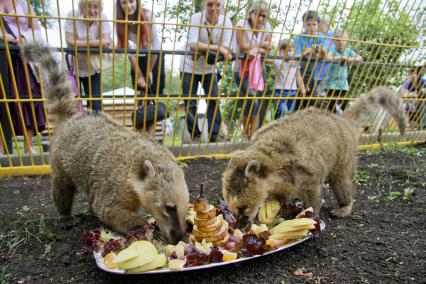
column 294, row 156
column 119, row 170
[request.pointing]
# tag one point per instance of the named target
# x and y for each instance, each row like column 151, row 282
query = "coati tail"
column 367, row 105
column 58, row 91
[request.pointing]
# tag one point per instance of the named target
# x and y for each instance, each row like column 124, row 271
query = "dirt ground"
column 382, row 242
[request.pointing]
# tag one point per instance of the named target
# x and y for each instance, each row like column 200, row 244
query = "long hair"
column 132, row 28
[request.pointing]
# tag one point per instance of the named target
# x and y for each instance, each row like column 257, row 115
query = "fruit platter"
column 214, row 239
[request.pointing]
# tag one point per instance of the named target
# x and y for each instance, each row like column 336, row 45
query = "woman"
column 146, row 70
column 27, row 117
column 80, row 33
column 253, row 41
column 209, row 32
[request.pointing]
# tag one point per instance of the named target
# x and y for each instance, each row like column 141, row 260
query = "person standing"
column 146, row 69
column 337, row 85
column 28, row 118
column 88, row 33
column 254, row 38
column 288, row 79
column 311, row 46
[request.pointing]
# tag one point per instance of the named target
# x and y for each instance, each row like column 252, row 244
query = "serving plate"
column 101, row 265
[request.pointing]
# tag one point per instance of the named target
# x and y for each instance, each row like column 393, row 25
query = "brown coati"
column 294, row 156
column 119, row 170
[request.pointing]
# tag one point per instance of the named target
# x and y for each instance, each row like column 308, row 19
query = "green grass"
column 5, row 277
column 362, row 177
column 29, row 227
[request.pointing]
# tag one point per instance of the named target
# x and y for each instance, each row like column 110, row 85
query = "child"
column 310, row 45
column 413, row 89
column 337, row 84
column 288, row 79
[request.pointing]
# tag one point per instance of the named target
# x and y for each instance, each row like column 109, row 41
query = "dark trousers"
column 4, row 120
column 189, row 89
column 92, row 86
column 158, row 75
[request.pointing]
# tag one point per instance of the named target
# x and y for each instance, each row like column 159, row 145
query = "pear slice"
column 285, row 225
column 290, row 235
column 159, row 261
column 134, row 250
column 145, row 252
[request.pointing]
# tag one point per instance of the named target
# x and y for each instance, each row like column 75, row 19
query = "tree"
column 41, row 8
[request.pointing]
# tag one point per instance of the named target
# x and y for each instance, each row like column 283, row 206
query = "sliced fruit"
column 170, row 249
column 135, row 249
column 204, row 246
column 268, row 211
column 228, row 256
column 190, row 216
column 238, row 234
column 277, row 243
column 176, row 264
column 108, row 261
column 285, row 225
column 180, row 251
column 290, row 235
column 159, row 261
column 257, row 229
column 273, row 208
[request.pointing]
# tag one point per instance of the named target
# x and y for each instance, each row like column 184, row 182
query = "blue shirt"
column 320, row 68
column 338, row 75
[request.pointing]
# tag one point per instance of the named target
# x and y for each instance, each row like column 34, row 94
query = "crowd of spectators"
column 311, row 68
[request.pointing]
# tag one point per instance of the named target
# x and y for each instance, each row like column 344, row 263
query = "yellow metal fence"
column 364, row 43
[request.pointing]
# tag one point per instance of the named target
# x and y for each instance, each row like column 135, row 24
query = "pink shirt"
column 21, row 21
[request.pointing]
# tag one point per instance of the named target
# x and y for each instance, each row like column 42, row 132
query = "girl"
column 87, row 34
column 288, row 79
column 146, row 70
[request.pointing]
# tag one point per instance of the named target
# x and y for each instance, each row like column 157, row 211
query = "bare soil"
column 382, row 242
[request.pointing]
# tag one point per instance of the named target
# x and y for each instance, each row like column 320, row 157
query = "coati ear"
column 252, row 168
column 146, row 170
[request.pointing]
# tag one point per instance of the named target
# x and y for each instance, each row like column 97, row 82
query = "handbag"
column 149, row 113
column 211, row 57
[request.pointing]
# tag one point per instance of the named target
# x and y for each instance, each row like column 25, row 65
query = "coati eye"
column 170, row 209
column 241, row 209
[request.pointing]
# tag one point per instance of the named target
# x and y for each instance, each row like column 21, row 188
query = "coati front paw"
column 67, row 222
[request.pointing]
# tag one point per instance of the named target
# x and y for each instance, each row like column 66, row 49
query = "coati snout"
column 163, row 193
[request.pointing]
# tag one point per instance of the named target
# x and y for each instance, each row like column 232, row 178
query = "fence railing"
column 204, row 73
